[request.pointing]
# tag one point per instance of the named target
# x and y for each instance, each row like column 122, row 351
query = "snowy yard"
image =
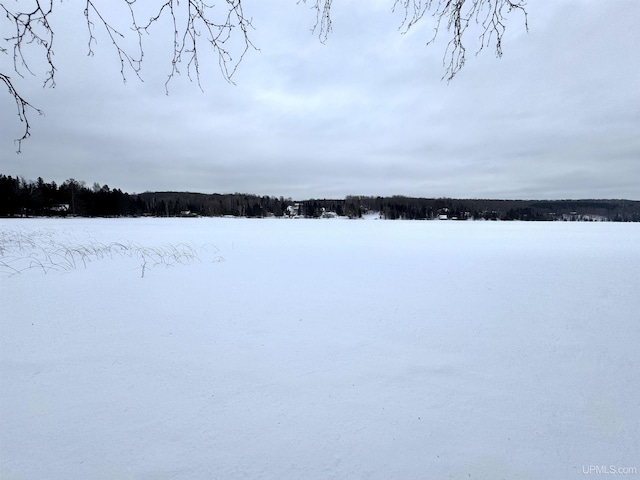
column 317, row 349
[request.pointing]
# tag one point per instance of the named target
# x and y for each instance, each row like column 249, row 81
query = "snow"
column 317, row 349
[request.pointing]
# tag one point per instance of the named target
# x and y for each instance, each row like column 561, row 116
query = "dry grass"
column 22, row 250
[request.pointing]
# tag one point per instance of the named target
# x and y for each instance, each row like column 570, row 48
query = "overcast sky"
column 366, row 113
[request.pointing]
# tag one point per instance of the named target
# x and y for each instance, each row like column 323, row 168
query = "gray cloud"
column 365, row 113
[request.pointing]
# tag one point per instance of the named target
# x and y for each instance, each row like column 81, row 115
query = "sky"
column 364, row 113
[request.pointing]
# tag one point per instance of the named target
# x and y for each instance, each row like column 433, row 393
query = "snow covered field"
column 318, row 349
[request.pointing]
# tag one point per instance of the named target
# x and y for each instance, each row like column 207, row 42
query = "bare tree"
column 225, row 30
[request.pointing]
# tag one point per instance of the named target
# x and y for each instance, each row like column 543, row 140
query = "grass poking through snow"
column 39, row 249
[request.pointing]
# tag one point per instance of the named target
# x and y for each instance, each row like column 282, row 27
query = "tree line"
column 20, row 198
column 409, row 208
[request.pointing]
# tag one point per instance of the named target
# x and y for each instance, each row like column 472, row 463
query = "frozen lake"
column 207, row 348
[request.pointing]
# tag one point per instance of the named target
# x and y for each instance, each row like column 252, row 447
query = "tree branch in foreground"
column 457, row 16
column 225, row 29
column 22, row 106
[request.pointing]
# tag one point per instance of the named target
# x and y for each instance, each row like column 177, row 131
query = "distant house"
column 60, row 208
column 443, row 217
column 293, row 210
column 327, row 214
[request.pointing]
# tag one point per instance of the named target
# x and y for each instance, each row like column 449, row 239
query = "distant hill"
column 19, row 197
column 489, row 209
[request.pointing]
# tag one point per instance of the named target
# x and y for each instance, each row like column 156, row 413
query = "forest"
column 26, row 198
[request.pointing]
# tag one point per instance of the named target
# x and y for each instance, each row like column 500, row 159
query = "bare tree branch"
column 31, row 28
column 135, row 63
column 457, row 16
column 22, row 106
column 323, row 24
column 196, row 19
column 225, row 29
